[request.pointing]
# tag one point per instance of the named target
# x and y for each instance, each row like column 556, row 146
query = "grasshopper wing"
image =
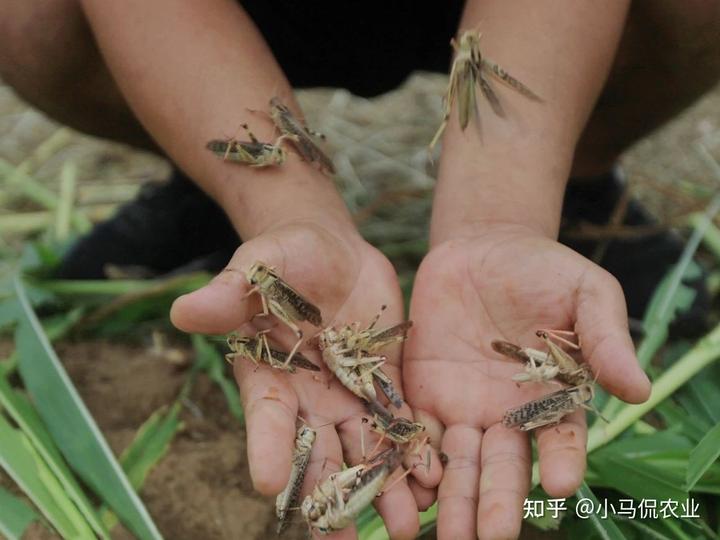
column 301, row 308
column 503, row 76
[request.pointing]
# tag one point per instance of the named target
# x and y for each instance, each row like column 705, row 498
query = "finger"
column 433, row 427
column 504, row 482
column 222, row 305
column 603, row 329
column 561, row 450
column 458, row 491
column 421, row 458
column 270, row 407
column 396, row 506
column 429, row 477
column 424, row 497
column 326, row 458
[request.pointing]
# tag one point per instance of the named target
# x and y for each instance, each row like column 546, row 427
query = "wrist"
column 519, row 180
column 259, row 200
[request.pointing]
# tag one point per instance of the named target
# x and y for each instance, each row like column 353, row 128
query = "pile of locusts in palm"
column 352, row 353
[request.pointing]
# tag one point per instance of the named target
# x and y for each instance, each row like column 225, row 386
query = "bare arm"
column 515, row 169
column 190, row 71
column 496, row 271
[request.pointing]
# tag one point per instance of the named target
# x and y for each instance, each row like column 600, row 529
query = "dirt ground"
column 202, row 488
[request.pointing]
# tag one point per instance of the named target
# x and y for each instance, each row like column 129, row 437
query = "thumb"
column 222, row 305
column 602, row 325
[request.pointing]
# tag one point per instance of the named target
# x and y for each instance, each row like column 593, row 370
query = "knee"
column 43, row 45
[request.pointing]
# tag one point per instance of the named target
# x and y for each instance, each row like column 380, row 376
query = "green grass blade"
column 124, row 286
column 637, row 478
column 27, row 469
column 71, row 424
column 15, row 515
column 646, row 531
column 606, row 528
column 711, row 240
column 214, row 364
column 706, row 351
column 675, row 416
column 703, row 456
column 149, row 446
column 32, row 426
column 669, row 298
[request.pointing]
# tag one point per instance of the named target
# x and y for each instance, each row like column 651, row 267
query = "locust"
column 336, row 502
column 470, row 69
column 258, row 350
column 299, row 135
column 253, row 153
column 347, row 367
column 547, row 366
column 550, row 409
column 396, row 428
column 569, row 371
column 288, row 498
column 368, row 342
column 283, row 301
column 352, row 355
column 539, row 365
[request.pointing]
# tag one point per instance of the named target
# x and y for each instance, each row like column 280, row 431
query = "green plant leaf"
column 661, row 443
column 71, row 424
column 32, row 426
column 27, row 469
column 8, row 312
column 15, row 515
column 703, row 391
column 637, row 478
column 675, row 417
column 647, row 530
column 606, row 528
column 668, row 299
column 149, row 446
column 703, row 456
column 704, row 353
column 213, row 363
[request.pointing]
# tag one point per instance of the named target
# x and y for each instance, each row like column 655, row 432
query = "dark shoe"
column 639, row 263
column 169, row 225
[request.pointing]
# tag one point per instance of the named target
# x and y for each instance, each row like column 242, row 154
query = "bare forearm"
column 514, row 169
column 190, row 71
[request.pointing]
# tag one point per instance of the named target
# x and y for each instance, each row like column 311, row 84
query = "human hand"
column 349, row 281
column 505, row 283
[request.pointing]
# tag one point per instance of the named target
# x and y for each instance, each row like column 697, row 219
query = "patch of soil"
column 201, row 489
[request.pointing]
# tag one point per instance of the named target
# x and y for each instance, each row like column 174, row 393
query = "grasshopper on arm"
column 283, row 301
column 470, row 69
column 253, row 153
column 299, row 135
column 258, row 350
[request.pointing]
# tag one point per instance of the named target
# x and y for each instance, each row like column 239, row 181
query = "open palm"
column 349, row 281
column 506, row 284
